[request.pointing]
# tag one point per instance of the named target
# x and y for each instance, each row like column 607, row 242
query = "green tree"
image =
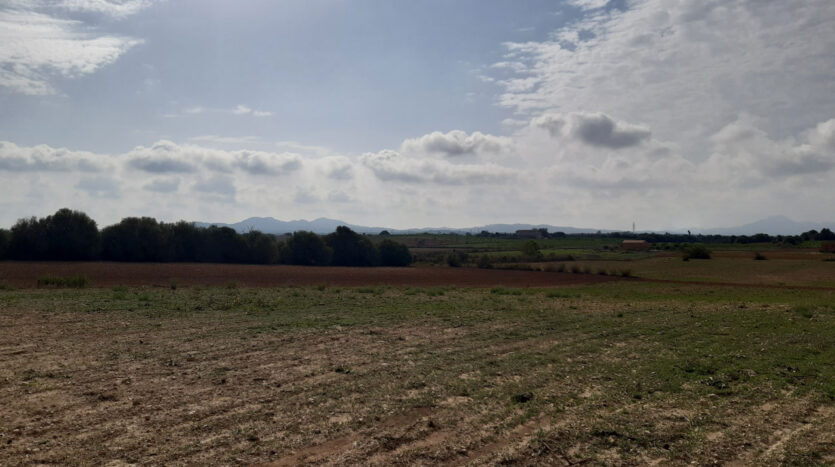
column 28, row 240
column 351, row 249
column 306, row 248
column 394, row 254
column 71, row 236
column 136, row 239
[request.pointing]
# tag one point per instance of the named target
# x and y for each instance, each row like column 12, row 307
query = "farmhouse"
column 532, row 233
column 635, row 245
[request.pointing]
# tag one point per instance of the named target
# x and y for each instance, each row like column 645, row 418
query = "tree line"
column 71, row 235
column 824, row 234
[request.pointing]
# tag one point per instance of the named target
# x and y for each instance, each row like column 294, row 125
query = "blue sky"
column 583, row 112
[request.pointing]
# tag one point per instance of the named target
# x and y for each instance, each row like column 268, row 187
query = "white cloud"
column 686, row 69
column 42, row 158
column 36, row 47
column 390, row 165
column 117, row 9
column 240, row 110
column 588, row 4
column 456, row 143
column 169, row 157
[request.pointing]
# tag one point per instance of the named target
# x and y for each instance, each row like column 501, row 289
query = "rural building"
column 635, row 245
column 533, row 233
column 828, row 247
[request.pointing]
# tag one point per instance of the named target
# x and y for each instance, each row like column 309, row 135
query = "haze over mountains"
column 775, row 225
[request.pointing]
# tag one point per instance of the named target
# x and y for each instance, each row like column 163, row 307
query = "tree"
column 394, row 254
column 71, row 236
column 351, row 249
column 826, row 234
column 531, row 250
column 28, row 240
column 261, row 248
column 5, row 237
column 134, row 239
column 306, row 248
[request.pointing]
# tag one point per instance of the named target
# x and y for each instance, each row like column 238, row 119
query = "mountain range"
column 775, row 225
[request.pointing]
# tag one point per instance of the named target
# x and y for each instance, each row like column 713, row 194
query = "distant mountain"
column 324, row 225
column 271, row 225
column 775, row 225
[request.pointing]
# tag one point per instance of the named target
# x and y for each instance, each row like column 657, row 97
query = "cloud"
column 163, row 185
column 588, row 4
column 35, row 47
column 14, row 158
column 99, row 187
column 338, row 167
column 162, row 157
column 685, row 69
column 456, row 143
column 743, row 152
column 116, row 9
column 390, row 165
column 264, row 163
column 594, row 129
column 222, row 186
column 239, row 110
column 169, row 157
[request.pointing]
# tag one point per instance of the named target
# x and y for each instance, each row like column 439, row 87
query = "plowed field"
column 101, row 274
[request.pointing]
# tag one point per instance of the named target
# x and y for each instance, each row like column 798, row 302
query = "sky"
column 589, row 113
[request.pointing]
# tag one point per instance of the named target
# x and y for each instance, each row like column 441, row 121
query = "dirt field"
column 26, row 274
column 621, row 373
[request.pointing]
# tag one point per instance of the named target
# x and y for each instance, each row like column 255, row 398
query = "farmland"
column 194, row 364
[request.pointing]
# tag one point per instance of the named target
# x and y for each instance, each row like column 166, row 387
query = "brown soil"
column 101, row 274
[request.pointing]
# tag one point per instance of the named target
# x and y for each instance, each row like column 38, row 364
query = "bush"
column 759, row 257
column 75, row 282
column 696, row 252
column 484, row 262
column 530, row 250
column 456, row 259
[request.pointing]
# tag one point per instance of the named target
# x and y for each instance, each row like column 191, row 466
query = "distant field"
column 781, row 268
column 617, row 373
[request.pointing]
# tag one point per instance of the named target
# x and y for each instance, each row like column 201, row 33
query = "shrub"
column 696, row 252
column 626, row 273
column 456, row 259
column 759, row 256
column 484, row 262
column 531, row 250
column 75, row 282
column 575, row 269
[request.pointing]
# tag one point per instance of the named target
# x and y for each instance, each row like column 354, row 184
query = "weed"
column 74, row 282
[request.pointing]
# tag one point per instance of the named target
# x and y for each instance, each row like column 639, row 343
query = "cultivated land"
column 159, row 369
